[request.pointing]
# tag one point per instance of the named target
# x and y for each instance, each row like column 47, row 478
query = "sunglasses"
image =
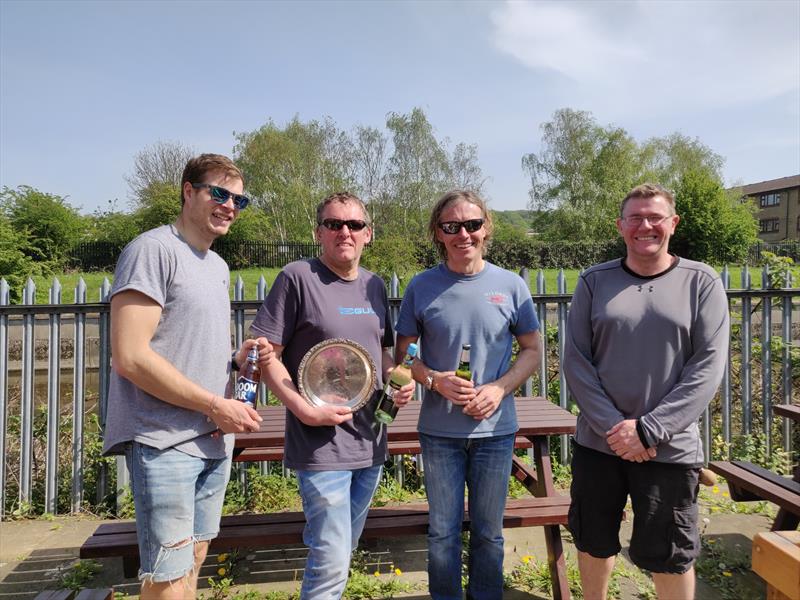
column 220, row 195
column 453, row 227
column 337, row 224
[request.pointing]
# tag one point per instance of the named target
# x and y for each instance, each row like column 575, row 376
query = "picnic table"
column 538, row 419
column 748, row 482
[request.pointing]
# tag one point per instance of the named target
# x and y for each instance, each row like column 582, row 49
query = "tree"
column 289, row 170
column 159, row 204
column 716, row 227
column 112, row 225
column 161, row 163
column 48, row 222
column 19, row 259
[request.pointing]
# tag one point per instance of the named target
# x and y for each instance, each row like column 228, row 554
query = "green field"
column 250, row 277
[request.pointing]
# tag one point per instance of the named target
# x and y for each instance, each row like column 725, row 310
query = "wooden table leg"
column 552, row 533
column 786, row 521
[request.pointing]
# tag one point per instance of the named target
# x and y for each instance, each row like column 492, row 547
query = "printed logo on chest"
column 497, row 298
column 348, row 311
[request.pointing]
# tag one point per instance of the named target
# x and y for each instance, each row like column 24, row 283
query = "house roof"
column 771, row 185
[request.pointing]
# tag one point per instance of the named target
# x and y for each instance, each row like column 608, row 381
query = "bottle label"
column 246, row 391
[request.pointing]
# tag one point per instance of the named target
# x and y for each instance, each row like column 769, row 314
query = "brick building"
column 778, row 203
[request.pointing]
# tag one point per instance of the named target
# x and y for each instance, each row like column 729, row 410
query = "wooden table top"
column 791, row 411
column 536, row 416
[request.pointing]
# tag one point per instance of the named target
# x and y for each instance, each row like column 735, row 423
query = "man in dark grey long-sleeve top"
column 647, row 340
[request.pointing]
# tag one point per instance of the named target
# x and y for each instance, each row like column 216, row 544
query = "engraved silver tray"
column 339, row 372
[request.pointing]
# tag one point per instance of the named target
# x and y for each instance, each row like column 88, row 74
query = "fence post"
column 26, row 406
column 747, row 391
column 238, row 313
column 53, row 401
column 527, row 386
column 104, row 375
column 563, row 395
column 78, row 391
column 541, row 309
column 726, row 377
column 5, row 294
column 786, row 367
column 766, row 358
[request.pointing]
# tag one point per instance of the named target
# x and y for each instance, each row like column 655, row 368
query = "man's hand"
column 328, row 414
column 405, row 394
column 265, row 352
column 487, row 399
column 233, row 416
column 459, row 391
column 625, row 442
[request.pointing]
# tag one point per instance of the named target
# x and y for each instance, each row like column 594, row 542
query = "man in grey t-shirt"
column 647, row 340
column 170, row 337
column 336, row 453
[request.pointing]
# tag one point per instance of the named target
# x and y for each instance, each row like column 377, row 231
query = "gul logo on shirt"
column 497, row 298
column 347, row 311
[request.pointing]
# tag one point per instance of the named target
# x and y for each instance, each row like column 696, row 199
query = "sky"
column 84, row 86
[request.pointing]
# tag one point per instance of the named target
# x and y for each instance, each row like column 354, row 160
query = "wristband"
column 640, row 433
column 234, row 365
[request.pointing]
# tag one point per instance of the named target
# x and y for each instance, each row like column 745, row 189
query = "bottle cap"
column 466, row 346
column 412, row 349
column 253, row 354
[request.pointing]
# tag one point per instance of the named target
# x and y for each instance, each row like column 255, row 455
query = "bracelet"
column 234, row 365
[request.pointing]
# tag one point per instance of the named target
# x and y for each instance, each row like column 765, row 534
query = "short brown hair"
column 344, row 198
column 648, row 190
column 452, row 197
column 198, row 167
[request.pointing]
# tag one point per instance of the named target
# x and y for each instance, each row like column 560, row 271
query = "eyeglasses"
column 453, row 227
column 337, row 224
column 636, row 220
column 220, row 195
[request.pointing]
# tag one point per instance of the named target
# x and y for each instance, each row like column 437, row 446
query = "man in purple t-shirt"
column 336, row 454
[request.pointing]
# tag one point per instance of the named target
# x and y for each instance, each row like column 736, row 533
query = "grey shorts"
column 664, row 499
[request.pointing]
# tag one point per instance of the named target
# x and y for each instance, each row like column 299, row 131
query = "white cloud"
column 646, row 56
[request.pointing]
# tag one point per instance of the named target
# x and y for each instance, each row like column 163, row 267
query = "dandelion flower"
column 221, row 571
column 398, row 572
column 724, row 494
column 727, row 574
column 715, row 489
column 222, row 558
column 377, row 573
column 526, row 559
column 706, row 520
column 712, row 541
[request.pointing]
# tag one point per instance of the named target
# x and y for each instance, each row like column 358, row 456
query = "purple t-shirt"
column 308, row 304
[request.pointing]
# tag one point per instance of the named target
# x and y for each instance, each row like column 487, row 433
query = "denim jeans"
column 178, row 501
column 484, row 465
column 336, row 504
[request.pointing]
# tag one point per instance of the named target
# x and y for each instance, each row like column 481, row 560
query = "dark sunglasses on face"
column 337, row 224
column 220, row 195
column 453, row 227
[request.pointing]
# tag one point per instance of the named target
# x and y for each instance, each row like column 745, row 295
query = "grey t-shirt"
column 447, row 309
column 308, row 304
column 193, row 334
column 647, row 348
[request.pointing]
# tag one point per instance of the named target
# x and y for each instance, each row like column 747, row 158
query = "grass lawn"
column 250, row 277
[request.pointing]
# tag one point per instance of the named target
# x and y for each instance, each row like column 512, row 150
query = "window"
column 773, row 199
column 798, row 223
column 769, row 225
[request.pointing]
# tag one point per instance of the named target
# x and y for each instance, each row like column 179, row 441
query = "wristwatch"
column 430, row 382
column 234, row 365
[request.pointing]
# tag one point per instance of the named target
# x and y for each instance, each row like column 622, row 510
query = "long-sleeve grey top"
column 647, row 348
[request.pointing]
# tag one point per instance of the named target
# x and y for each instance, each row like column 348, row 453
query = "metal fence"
column 46, row 424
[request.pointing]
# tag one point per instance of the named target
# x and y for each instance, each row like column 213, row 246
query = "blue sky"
column 84, row 86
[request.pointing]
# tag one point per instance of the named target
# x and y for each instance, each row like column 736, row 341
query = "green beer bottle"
column 464, row 371
column 401, row 375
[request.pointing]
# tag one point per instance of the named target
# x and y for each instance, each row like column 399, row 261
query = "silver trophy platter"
column 338, row 372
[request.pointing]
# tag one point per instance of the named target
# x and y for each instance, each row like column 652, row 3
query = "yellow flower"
column 725, row 494
column 712, row 541
column 221, row 571
column 526, row 559
column 712, row 509
column 727, row 574
column 715, row 489
column 222, row 558
column 398, row 572
column 377, row 573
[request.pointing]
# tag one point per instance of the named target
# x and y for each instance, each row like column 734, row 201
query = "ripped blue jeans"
column 178, row 501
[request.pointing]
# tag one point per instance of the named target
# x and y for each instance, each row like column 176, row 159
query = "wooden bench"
column 256, row 531
column 748, row 482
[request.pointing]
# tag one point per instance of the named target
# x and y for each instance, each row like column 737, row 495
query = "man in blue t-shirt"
column 336, row 453
column 467, row 428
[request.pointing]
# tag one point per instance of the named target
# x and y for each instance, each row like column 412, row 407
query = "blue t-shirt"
column 486, row 310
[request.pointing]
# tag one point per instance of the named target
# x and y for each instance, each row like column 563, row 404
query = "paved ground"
column 35, row 554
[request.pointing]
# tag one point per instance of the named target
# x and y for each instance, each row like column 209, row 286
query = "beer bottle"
column 401, row 375
column 463, row 369
column 249, row 376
